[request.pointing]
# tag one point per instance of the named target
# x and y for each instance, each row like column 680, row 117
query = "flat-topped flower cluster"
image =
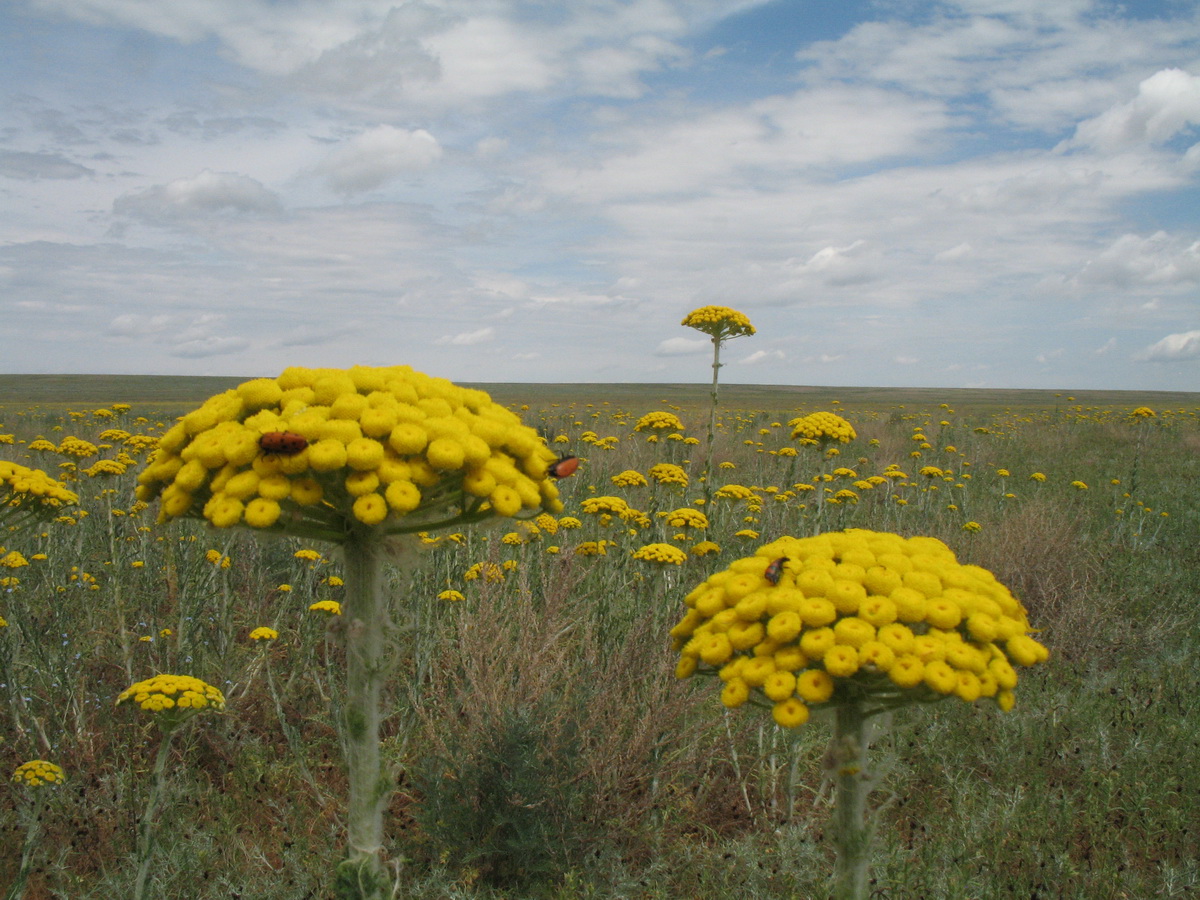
column 332, row 448
column 855, row 616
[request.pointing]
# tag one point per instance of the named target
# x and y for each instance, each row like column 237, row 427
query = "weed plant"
column 547, row 749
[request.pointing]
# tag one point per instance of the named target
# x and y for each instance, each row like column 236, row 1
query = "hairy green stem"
column 33, row 831
column 847, row 763
column 361, row 875
column 712, row 422
column 147, row 829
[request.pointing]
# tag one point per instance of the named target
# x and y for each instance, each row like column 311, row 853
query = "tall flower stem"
column 847, row 762
column 712, row 420
column 33, row 831
column 147, row 829
column 361, row 875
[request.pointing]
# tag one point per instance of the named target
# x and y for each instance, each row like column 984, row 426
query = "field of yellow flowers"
column 542, row 741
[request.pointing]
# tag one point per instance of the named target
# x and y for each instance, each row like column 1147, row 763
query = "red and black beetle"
column 285, row 443
column 774, row 570
column 563, row 467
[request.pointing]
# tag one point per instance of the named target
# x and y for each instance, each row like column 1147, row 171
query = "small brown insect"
column 561, row 468
column 774, row 570
column 285, row 443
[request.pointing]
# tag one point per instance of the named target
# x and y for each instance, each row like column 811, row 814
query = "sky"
column 970, row 193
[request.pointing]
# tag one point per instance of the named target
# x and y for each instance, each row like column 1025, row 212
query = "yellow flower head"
column 263, row 633
column 38, row 773
column 25, row 491
column 629, row 478
column 173, row 699
column 666, row 554
column 659, row 421
column 856, row 616
column 669, row 473
column 327, row 606
column 822, row 428
column 719, row 322
column 319, row 452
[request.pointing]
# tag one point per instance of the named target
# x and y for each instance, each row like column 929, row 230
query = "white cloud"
column 375, row 157
column 680, row 346
column 138, row 325
column 208, row 193
column 209, row 346
column 1166, row 103
column 34, row 166
column 468, row 338
column 1160, row 259
column 1182, row 346
column 761, row 356
column 955, row 253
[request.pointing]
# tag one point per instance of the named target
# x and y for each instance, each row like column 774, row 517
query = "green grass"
column 546, row 747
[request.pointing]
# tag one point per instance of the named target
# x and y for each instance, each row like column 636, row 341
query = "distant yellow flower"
column 687, row 518
column 719, row 322
column 659, row 421
column 666, row 554
column 327, row 606
column 263, row 633
column 451, row 596
column 38, row 773
column 629, row 478
column 173, row 699
column 668, row 473
column 821, row 428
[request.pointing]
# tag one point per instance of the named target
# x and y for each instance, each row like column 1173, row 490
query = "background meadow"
column 546, row 746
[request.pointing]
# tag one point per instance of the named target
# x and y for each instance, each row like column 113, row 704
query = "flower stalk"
column 366, row 620
column 846, row 763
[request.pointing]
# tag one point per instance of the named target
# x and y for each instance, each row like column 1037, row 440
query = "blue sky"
column 978, row 193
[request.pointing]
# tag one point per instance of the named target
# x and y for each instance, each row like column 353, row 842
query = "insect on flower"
column 774, row 570
column 287, row 443
column 561, row 468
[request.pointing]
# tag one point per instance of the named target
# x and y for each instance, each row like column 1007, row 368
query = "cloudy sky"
column 992, row 193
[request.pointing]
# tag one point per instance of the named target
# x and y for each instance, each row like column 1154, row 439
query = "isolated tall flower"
column 171, row 701
column 721, row 324
column 358, row 457
column 861, row 622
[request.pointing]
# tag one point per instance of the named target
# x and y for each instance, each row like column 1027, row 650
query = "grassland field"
column 543, row 746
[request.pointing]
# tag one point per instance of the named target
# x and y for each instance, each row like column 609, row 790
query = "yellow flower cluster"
column 105, row 467
column 73, row 446
column 629, row 478
column 719, row 322
column 687, row 518
column 328, row 606
column 613, row 506
column 1143, row 412
column 666, row 554
column 659, row 421
column 735, row 492
column 38, row 772
column 263, row 633
column 333, row 446
column 173, row 699
column 22, row 486
column 822, row 428
column 668, row 473
column 852, row 616
column 451, row 596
